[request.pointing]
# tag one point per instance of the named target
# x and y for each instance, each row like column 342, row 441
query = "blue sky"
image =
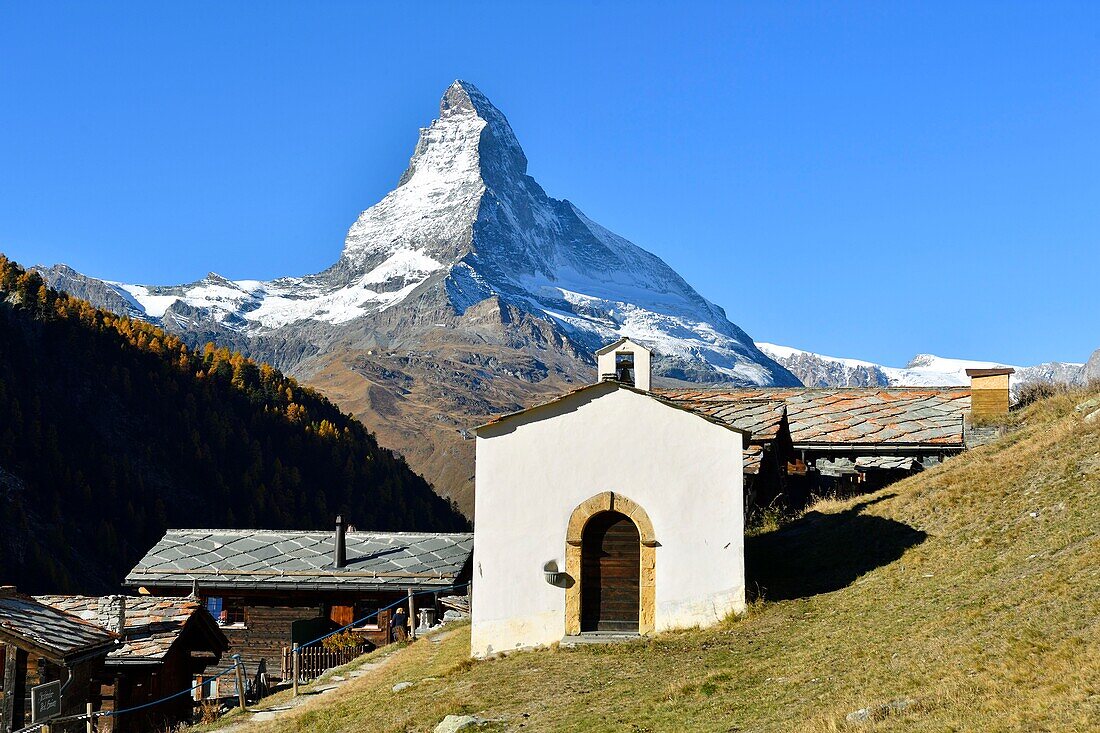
column 860, row 179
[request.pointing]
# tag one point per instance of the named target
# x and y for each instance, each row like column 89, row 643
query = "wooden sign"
column 45, row 701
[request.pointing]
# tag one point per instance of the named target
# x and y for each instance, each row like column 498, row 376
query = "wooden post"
column 294, row 666
column 88, row 722
column 7, row 702
column 412, row 615
column 240, row 681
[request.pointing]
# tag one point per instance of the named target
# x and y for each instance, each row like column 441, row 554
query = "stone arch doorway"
column 610, row 578
column 610, row 556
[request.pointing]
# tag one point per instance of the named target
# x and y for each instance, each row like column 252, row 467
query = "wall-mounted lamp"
column 552, row 574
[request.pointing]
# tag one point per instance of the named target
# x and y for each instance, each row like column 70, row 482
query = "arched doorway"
column 610, row 573
column 584, row 526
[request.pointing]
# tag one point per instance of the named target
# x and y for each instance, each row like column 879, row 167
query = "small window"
column 234, row 614
column 226, row 614
column 209, row 689
column 368, row 611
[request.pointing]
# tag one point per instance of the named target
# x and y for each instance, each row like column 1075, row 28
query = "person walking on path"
column 399, row 625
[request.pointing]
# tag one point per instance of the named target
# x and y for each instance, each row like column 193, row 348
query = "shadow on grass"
column 819, row 553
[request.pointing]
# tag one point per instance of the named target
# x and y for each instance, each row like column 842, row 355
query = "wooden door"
column 610, row 568
column 342, row 615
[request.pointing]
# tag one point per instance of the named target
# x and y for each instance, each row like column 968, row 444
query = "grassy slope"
column 973, row 589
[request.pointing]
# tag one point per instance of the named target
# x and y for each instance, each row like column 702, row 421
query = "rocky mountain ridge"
column 818, row 370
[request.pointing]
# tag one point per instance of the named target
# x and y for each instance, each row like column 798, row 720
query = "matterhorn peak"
column 470, row 138
column 459, row 99
column 466, row 225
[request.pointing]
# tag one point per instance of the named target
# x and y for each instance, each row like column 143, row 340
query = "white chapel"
column 607, row 511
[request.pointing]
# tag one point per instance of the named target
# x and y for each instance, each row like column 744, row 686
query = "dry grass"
column 972, row 591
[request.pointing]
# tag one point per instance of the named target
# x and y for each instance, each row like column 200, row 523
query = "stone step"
column 599, row 637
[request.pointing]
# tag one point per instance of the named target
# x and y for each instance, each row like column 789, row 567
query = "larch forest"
column 112, row 430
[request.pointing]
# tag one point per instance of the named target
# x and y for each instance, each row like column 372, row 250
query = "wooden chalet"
column 41, row 645
column 163, row 644
column 270, row 589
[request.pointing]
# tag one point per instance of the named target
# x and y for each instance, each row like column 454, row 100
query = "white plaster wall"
column 533, row 471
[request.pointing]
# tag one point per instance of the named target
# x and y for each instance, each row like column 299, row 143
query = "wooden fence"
column 314, row 660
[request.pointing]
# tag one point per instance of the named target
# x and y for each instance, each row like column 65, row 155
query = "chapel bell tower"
column 626, row 362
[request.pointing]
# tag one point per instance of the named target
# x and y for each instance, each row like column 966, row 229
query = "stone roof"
column 57, row 635
column 854, row 416
column 761, row 418
column 152, row 624
column 290, row 560
column 863, row 464
column 751, row 459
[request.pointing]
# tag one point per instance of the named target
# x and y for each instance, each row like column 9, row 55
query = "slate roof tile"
column 854, row 416
column 152, row 624
column 295, row 559
column 49, row 628
column 762, row 418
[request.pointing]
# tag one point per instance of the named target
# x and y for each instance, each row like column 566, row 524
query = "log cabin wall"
column 266, row 630
column 268, row 621
column 82, row 688
column 110, row 686
column 140, row 684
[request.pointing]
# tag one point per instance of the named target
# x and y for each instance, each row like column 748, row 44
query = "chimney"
column 112, row 613
column 989, row 392
column 340, row 550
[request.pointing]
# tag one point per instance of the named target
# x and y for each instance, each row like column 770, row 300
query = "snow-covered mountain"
column 923, row 370
column 466, row 217
column 466, row 290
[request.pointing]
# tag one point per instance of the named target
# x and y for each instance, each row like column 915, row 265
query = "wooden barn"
column 842, row 438
column 164, row 643
column 270, row 589
column 40, row 645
